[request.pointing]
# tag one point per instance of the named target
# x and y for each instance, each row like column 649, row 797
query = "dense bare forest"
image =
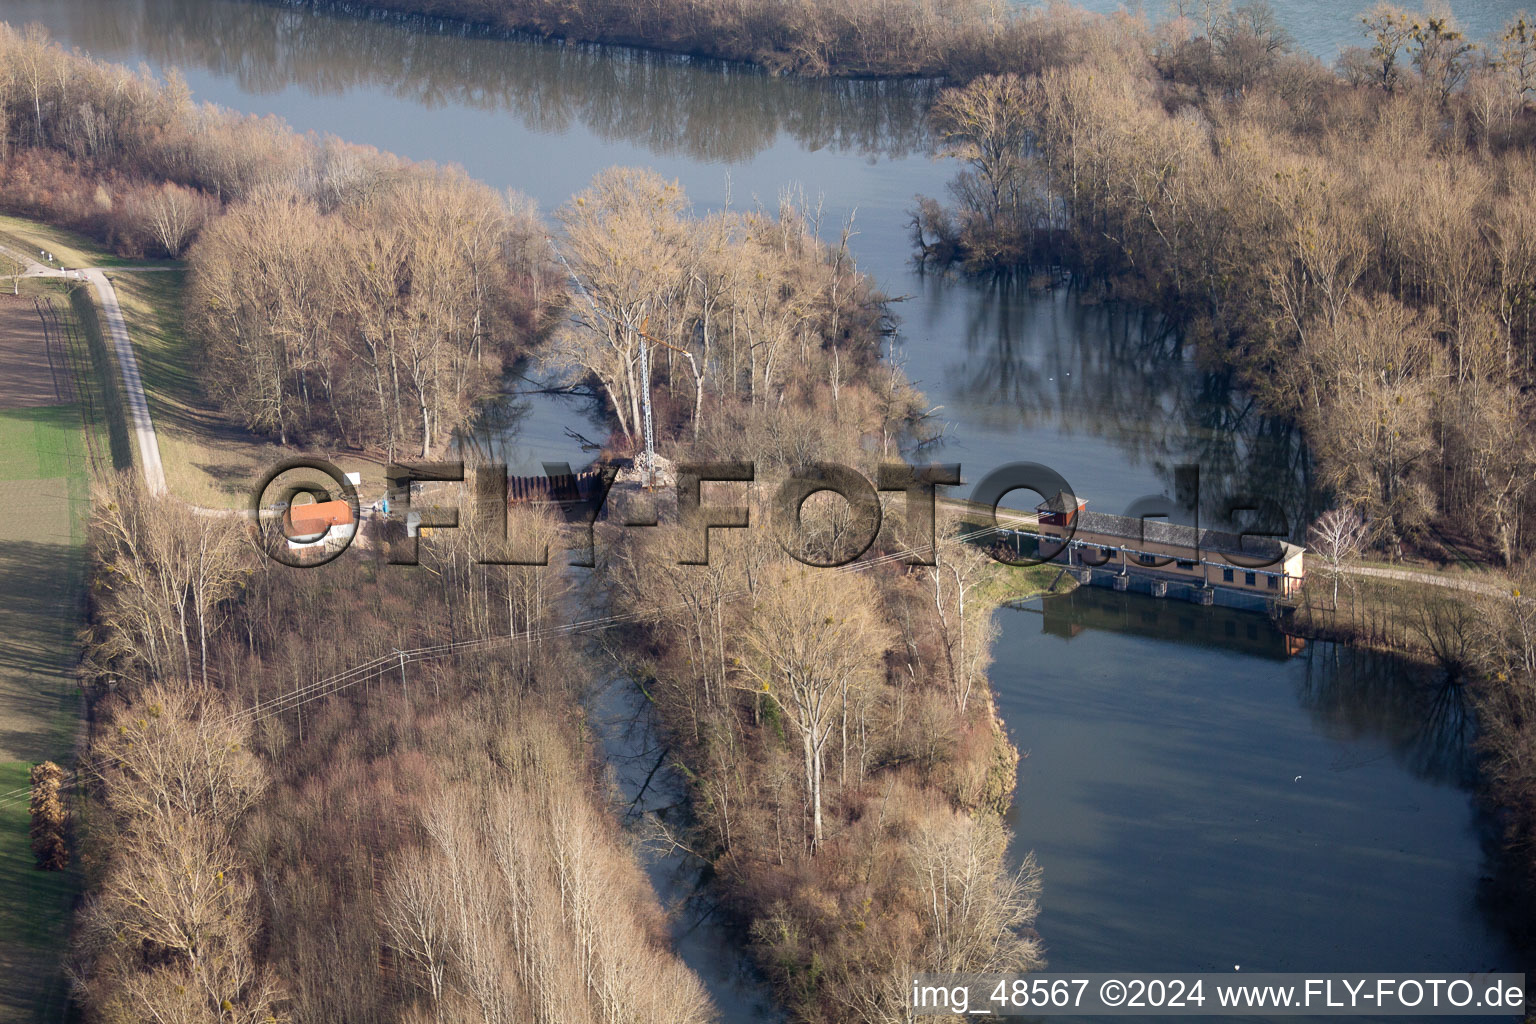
column 376, row 319
column 846, row 765
column 275, row 834
column 951, row 38
column 342, row 295
column 287, row 836
column 127, row 158
column 1361, row 243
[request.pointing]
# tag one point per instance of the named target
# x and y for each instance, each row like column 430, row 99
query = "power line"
column 376, row 667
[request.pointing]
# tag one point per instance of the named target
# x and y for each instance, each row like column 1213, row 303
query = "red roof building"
column 316, row 518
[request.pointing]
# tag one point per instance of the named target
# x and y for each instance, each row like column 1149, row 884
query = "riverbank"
column 1477, row 636
column 1009, row 584
column 1431, row 621
column 986, row 353
column 830, row 891
column 1003, row 586
column 842, row 38
column 1174, row 749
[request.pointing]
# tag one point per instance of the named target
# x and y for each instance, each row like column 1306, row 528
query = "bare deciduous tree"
column 965, row 633
column 163, row 570
column 174, row 215
column 177, row 750
column 975, row 913
column 813, row 637
column 621, row 241
column 1337, row 538
column 171, row 929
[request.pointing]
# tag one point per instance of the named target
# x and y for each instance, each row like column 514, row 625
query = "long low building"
column 1217, row 558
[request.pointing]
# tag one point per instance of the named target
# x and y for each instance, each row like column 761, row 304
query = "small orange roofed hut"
column 316, row 518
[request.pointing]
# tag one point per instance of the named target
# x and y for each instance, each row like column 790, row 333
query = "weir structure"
column 1152, row 556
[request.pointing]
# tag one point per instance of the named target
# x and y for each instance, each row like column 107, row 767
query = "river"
column 1202, row 795
column 1164, row 742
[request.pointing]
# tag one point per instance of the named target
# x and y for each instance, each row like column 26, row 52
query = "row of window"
column 1250, row 579
column 1228, row 575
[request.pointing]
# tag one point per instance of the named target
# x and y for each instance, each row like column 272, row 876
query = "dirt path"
column 138, row 405
column 1471, row 586
column 128, row 363
column 154, row 472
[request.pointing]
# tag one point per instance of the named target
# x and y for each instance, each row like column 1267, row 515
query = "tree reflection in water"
column 704, row 110
column 1053, row 365
column 1420, row 712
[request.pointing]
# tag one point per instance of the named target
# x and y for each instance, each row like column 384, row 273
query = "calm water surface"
column 1268, row 808
column 1098, row 393
column 1163, row 740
